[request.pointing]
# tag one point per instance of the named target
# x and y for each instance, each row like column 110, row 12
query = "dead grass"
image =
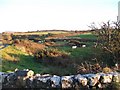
column 28, row 46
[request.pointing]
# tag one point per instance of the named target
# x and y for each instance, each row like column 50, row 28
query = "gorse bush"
column 51, row 56
column 50, row 52
column 53, row 52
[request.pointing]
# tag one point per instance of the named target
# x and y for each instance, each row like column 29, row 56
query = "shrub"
column 85, row 67
column 52, row 56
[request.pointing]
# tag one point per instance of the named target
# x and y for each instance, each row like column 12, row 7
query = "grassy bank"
column 13, row 58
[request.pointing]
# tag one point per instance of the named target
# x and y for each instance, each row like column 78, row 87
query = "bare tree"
column 109, row 37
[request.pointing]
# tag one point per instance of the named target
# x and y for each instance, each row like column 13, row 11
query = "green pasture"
column 86, row 36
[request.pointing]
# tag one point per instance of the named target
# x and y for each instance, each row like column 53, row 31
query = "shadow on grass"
column 28, row 62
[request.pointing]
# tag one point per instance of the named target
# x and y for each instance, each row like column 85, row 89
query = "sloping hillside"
column 28, row 46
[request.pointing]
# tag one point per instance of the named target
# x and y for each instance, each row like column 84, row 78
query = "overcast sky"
column 32, row 15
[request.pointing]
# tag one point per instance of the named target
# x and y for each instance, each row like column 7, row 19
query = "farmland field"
column 14, row 58
column 22, row 55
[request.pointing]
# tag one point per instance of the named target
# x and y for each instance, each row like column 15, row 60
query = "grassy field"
column 86, row 36
column 18, row 59
column 13, row 58
column 82, row 54
column 26, row 61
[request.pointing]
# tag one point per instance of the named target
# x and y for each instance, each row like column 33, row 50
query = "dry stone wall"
column 28, row 79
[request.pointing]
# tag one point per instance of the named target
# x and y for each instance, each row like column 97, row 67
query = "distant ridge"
column 58, row 30
column 49, row 31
